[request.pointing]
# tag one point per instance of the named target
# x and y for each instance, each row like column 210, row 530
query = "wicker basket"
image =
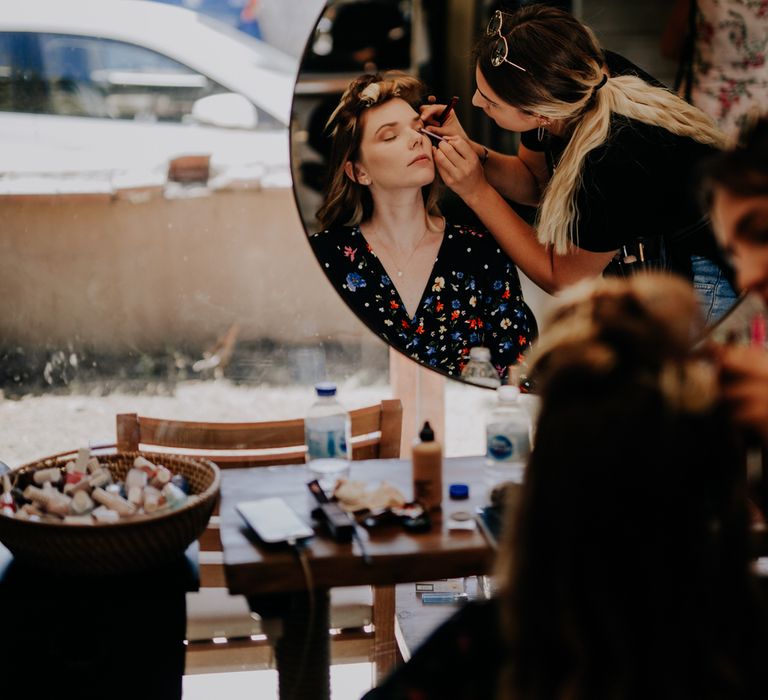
column 132, row 545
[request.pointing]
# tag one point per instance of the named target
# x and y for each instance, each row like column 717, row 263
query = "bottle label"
column 425, row 492
column 327, row 443
column 507, row 447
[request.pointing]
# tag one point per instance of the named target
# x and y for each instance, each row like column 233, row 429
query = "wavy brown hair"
column 564, row 64
column 625, row 572
column 347, row 202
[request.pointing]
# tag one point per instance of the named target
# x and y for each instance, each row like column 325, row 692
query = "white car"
column 105, row 93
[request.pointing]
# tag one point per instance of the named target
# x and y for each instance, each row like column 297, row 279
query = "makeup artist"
column 607, row 155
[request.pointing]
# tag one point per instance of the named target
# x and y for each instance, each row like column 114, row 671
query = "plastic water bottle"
column 479, row 369
column 327, row 434
column 507, row 433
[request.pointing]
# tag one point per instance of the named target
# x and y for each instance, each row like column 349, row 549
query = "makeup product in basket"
column 135, row 478
column 7, row 503
column 161, row 478
column 173, row 495
column 83, row 457
column 82, row 503
column 181, row 481
column 113, row 502
column 51, row 501
column 43, row 495
column 52, row 475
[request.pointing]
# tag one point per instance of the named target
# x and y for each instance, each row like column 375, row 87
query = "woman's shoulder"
column 463, row 233
column 335, row 232
column 475, row 246
column 334, row 237
column 633, row 143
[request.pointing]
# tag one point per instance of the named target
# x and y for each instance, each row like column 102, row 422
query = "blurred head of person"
column 624, row 571
column 377, row 148
column 736, row 193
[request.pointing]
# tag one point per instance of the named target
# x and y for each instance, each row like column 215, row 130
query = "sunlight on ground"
column 348, row 682
column 37, row 426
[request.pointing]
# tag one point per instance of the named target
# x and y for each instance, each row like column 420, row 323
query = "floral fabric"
column 472, row 298
column 730, row 73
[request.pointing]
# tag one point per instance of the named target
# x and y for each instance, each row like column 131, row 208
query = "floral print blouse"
column 472, row 298
column 730, row 72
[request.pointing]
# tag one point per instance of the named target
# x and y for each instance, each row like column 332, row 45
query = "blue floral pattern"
column 472, row 298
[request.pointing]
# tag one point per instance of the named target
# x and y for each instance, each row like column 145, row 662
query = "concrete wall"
column 112, row 274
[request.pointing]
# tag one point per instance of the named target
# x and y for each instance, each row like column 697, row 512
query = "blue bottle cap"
column 458, row 492
column 325, row 389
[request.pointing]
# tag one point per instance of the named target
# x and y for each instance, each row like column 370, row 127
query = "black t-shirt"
column 640, row 182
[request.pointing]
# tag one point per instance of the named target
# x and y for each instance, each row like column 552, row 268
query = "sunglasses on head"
column 500, row 48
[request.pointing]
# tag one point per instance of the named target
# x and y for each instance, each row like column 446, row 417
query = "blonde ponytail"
column 564, row 81
column 630, row 96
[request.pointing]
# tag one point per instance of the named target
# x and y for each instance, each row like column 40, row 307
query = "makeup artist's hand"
column 744, row 383
column 459, row 166
column 451, row 127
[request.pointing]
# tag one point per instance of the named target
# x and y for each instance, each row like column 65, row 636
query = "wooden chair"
column 215, row 616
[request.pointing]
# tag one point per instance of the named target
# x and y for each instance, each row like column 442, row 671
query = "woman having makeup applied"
column 430, row 288
column 607, row 154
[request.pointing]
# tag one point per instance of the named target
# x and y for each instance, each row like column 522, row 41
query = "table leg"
column 302, row 651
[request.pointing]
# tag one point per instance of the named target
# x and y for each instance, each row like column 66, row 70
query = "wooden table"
column 274, row 582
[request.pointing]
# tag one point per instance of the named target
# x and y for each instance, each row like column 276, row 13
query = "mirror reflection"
column 576, row 163
column 432, row 288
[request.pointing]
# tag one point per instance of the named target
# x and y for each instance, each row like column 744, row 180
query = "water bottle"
column 327, row 434
column 479, row 369
column 507, row 433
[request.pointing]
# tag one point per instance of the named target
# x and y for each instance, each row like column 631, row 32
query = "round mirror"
column 404, row 253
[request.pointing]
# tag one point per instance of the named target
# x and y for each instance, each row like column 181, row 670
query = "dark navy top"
column 472, row 298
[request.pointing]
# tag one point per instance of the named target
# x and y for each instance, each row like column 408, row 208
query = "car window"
column 23, row 89
column 85, row 76
column 6, row 86
column 95, row 77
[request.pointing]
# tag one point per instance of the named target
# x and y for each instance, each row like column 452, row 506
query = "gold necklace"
column 399, row 269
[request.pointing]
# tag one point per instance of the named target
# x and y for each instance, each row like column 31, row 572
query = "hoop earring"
column 540, row 133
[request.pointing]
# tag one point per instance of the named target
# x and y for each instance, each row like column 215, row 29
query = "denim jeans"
column 715, row 293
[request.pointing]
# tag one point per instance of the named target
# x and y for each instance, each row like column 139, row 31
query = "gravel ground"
column 35, row 426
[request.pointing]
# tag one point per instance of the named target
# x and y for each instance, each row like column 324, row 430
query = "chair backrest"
column 375, row 434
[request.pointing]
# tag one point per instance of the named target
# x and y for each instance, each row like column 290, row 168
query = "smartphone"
column 273, row 520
